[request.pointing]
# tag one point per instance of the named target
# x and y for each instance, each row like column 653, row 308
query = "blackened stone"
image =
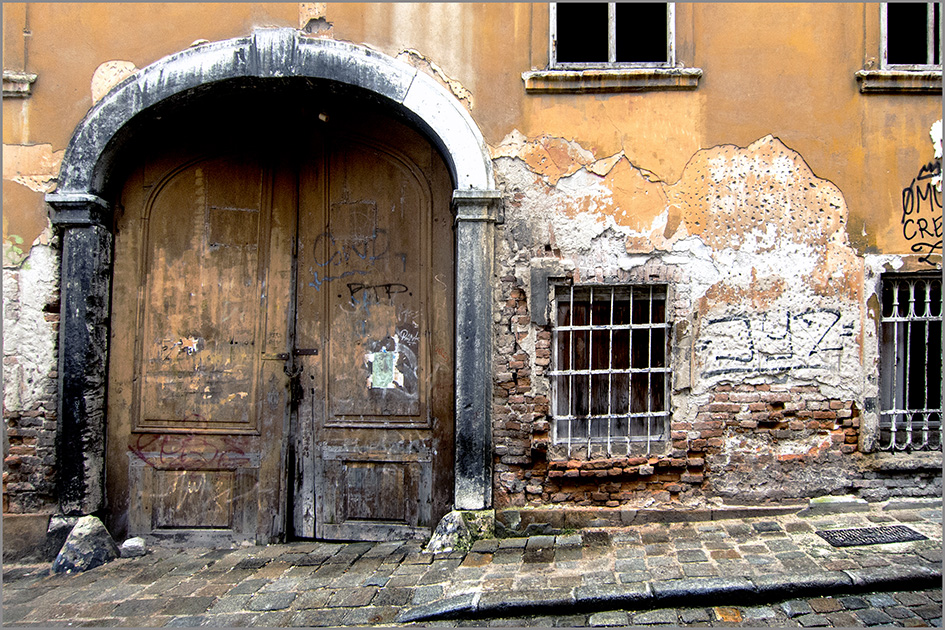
column 88, row 545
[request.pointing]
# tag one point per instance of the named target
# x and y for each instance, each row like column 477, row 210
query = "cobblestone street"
column 761, row 571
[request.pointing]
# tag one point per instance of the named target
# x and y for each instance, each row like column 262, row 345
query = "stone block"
column 88, row 545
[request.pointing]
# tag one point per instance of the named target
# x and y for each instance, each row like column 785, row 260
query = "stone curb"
column 663, row 593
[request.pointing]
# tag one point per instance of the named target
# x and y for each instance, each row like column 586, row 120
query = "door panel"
column 283, row 340
column 366, row 261
column 194, row 379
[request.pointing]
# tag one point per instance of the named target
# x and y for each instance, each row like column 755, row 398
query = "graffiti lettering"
column 375, row 291
column 771, row 343
column 924, row 196
column 367, row 248
column 184, row 452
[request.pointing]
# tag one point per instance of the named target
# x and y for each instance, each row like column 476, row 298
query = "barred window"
column 911, row 356
column 611, row 373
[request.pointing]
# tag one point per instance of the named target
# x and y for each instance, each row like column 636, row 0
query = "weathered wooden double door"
column 282, row 348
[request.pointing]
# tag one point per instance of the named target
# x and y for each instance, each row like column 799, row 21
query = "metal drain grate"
column 870, row 535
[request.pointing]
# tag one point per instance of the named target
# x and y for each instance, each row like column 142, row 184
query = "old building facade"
column 331, row 270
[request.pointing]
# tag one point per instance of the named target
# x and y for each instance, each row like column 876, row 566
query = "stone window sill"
column 900, row 81
column 17, row 84
column 611, row 80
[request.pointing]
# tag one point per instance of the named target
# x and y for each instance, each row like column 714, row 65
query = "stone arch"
column 83, row 215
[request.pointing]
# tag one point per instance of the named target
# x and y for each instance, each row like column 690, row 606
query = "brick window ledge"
column 900, row 81
column 611, row 80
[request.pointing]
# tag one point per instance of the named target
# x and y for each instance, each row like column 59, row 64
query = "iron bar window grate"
column 610, row 367
column 911, row 363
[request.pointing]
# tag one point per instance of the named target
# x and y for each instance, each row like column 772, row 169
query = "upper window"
column 612, row 34
column 911, row 368
column 611, row 370
column 911, row 35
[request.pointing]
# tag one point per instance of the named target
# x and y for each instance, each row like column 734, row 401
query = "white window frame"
column 930, row 52
column 612, row 43
column 909, row 429
column 652, row 440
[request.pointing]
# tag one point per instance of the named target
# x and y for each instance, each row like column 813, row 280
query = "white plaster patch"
column 29, row 340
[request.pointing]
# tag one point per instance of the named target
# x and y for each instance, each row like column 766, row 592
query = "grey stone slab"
column 699, row 569
column 188, row 605
column 694, row 615
column 569, row 554
column 513, row 543
column 796, row 608
column 683, row 589
column 912, row 599
column 248, row 586
column 630, row 564
column 758, row 612
column 691, row 555
column 609, row 618
column 853, row 603
column 899, row 612
column 447, row 607
column 190, row 621
column 928, row 611
column 392, row 597
column 315, row 618
column 796, row 582
column 873, row 617
column 139, row 607
column 485, row 545
column 371, row 615
column 664, row 616
column 813, row 620
column 427, row 594
column 617, row 594
column 521, row 601
column 270, row 601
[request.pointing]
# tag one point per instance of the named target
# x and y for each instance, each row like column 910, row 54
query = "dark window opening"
column 581, row 32
column 584, row 32
column 909, row 38
column 639, row 35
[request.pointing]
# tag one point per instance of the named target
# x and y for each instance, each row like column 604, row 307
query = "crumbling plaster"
column 766, row 290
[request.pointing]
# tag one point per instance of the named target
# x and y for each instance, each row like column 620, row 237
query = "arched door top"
column 275, row 53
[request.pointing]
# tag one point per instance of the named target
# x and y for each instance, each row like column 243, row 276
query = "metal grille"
column 911, row 372
column 870, row 535
column 611, row 373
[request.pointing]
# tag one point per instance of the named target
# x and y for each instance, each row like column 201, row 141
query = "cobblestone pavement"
column 906, row 609
column 763, row 571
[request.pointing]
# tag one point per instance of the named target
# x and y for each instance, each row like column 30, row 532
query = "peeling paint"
column 35, row 166
column 418, row 60
column 110, row 74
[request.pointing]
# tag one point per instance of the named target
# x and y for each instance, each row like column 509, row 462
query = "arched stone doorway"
column 95, row 164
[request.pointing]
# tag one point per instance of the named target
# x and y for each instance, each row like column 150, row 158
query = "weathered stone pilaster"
column 83, row 350
column 476, row 215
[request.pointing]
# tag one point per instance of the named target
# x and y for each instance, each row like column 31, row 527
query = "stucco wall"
column 770, row 198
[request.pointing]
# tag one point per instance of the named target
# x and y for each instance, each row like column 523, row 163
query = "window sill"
column 17, row 84
column 611, row 80
column 900, row 81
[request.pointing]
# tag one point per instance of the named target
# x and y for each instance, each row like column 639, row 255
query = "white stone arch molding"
column 82, row 214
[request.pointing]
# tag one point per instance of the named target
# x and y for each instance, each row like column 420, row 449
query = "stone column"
column 85, row 292
column 477, row 212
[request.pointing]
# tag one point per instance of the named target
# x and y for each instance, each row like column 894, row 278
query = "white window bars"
column 911, row 359
column 611, row 374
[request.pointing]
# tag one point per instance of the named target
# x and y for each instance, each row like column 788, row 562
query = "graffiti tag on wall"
column 770, row 342
column 922, row 211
